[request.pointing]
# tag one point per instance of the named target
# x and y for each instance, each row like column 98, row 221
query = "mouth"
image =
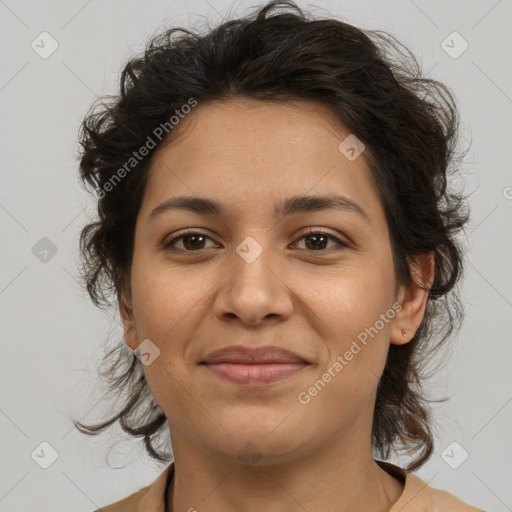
column 255, row 374
column 254, row 366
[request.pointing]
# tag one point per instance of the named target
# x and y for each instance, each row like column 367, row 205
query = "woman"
column 276, row 230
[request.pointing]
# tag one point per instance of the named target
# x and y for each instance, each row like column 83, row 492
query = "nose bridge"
column 253, row 289
column 252, row 266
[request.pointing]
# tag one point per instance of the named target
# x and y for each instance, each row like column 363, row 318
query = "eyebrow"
column 290, row 206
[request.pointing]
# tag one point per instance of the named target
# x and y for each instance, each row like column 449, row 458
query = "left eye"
column 196, row 241
column 319, row 238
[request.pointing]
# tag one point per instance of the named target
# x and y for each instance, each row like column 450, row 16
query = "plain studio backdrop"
column 53, row 337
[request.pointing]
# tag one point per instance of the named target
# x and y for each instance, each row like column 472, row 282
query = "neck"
column 328, row 481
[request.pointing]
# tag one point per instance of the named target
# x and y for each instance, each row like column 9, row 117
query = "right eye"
column 192, row 241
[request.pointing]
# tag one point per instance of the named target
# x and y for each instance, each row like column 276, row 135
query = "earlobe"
column 413, row 299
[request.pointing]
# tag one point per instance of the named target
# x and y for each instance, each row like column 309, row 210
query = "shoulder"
column 442, row 500
column 130, row 503
column 418, row 496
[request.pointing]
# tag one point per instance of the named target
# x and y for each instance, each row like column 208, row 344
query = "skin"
column 249, row 154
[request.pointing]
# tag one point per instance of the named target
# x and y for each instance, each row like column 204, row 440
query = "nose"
column 254, row 290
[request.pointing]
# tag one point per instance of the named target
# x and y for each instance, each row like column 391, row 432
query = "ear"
column 127, row 318
column 413, row 299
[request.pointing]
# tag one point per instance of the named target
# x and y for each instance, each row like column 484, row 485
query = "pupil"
column 315, row 245
column 193, row 245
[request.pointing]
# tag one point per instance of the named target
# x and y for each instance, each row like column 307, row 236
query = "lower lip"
column 255, row 374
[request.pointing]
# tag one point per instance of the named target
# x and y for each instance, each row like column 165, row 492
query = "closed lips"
column 250, row 367
column 258, row 355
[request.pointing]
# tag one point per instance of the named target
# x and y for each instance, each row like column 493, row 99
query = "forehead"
column 261, row 126
column 251, row 153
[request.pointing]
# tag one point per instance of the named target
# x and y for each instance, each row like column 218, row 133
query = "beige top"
column 417, row 496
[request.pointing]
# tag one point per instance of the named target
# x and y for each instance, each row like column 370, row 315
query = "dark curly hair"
column 408, row 123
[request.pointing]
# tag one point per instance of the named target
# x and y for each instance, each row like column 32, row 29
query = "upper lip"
column 253, row 355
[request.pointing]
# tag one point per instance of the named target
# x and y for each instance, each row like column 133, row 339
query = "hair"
column 375, row 86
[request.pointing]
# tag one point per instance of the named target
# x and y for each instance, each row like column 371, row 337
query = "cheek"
column 356, row 356
column 358, row 312
column 168, row 305
column 167, row 301
column 351, row 300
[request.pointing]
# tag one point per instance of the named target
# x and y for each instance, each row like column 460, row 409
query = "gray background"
column 52, row 337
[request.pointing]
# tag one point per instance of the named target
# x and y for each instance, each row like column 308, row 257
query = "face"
column 312, row 282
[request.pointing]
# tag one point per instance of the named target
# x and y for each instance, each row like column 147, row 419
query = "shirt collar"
column 154, row 499
column 415, row 496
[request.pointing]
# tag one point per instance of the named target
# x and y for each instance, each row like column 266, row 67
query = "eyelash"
column 312, row 231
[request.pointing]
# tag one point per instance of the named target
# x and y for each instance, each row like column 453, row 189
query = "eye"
column 194, row 241
column 318, row 239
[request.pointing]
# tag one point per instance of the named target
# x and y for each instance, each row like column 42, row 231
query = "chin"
column 255, row 443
